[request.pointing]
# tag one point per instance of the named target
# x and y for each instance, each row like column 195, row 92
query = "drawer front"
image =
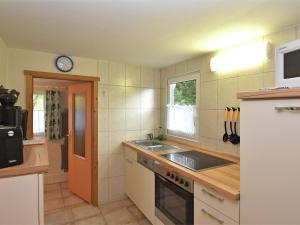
column 205, row 215
column 130, row 154
column 225, row 205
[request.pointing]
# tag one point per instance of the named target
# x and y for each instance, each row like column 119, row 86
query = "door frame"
column 30, row 75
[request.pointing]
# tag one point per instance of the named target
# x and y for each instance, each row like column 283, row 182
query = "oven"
column 174, row 199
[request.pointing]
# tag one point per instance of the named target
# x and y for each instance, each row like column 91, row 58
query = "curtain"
column 181, row 119
column 53, row 115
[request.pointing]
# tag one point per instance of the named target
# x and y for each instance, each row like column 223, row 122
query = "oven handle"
column 212, row 216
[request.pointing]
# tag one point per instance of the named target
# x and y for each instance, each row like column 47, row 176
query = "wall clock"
column 64, row 63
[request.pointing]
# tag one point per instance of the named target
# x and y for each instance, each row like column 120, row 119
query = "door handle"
column 287, row 108
column 212, row 195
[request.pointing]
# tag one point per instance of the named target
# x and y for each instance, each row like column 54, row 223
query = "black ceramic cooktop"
column 195, row 160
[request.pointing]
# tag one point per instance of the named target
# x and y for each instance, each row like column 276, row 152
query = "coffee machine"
column 11, row 135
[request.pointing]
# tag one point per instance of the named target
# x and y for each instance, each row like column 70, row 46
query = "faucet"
column 150, row 136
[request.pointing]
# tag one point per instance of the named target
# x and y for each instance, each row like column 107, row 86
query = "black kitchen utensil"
column 236, row 121
column 234, row 139
column 226, row 136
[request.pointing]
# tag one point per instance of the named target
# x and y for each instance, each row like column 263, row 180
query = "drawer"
column 225, row 205
column 130, row 154
column 205, row 215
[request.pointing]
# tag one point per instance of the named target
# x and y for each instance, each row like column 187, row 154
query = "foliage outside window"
column 182, row 106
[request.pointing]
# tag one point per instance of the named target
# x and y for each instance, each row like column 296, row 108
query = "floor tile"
column 66, row 193
column 144, row 222
column 135, row 212
column 58, row 218
column 118, row 216
column 108, row 207
column 73, row 200
column 85, row 211
column 54, row 204
column 96, row 220
column 49, row 195
column 64, row 185
column 51, row 187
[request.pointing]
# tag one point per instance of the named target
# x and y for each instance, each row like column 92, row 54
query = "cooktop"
column 195, row 160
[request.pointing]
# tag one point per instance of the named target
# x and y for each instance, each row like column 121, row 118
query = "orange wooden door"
column 80, row 146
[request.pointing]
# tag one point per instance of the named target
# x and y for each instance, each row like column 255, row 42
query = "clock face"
column 64, row 63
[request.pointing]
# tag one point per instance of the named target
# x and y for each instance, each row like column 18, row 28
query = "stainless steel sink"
column 153, row 145
column 146, row 143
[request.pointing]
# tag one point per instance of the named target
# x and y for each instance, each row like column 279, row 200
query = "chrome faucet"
column 150, row 136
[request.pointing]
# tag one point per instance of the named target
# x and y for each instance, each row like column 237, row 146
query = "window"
column 182, row 108
column 39, row 113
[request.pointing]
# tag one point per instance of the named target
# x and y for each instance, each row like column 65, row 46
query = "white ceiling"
column 149, row 32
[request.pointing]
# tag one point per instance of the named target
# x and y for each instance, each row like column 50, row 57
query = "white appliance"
column 288, row 64
column 270, row 162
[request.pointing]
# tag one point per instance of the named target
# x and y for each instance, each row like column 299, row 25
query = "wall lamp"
column 240, row 57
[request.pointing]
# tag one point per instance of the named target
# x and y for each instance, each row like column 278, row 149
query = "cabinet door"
column 270, row 154
column 205, row 215
column 131, row 180
column 145, row 190
column 19, row 200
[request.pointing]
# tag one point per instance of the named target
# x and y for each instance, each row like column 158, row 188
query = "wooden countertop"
column 35, row 161
column 270, row 94
column 224, row 180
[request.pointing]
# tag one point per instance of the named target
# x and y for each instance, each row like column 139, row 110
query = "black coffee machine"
column 11, row 135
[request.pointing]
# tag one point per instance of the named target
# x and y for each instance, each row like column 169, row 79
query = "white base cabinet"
column 140, row 185
column 21, row 200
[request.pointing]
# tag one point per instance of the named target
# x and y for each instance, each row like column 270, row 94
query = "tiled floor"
column 64, row 208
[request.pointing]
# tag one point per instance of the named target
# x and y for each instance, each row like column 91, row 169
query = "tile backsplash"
column 129, row 99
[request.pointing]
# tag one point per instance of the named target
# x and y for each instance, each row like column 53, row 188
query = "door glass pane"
column 79, row 124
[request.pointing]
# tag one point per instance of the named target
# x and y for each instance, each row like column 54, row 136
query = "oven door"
column 173, row 205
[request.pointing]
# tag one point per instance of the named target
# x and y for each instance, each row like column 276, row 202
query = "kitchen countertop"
column 270, row 94
column 35, row 161
column 224, row 180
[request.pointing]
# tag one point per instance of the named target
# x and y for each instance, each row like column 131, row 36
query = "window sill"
column 174, row 137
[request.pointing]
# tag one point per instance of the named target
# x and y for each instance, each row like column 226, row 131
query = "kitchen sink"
column 153, row 145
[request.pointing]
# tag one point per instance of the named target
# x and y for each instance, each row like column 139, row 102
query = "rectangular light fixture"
column 240, row 57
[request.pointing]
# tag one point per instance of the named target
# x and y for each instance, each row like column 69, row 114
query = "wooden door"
column 80, row 146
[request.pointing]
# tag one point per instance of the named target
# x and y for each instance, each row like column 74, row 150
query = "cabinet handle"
column 212, row 216
column 287, row 108
column 128, row 160
column 212, row 195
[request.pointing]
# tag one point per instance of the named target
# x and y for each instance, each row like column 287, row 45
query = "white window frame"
column 177, row 79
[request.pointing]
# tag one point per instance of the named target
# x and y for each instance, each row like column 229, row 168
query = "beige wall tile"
column 269, row 79
column 206, row 76
column 115, row 142
column 250, row 83
column 133, row 135
column 103, row 166
column 103, row 120
column 227, row 90
column 282, row 37
column 103, row 70
column 116, row 188
column 148, row 98
column 209, row 143
column 147, row 77
column 133, row 76
column 116, row 119
column 193, row 64
column 209, row 95
column 117, row 73
column 181, row 68
column 103, row 96
column 116, row 165
column 103, row 142
column 133, row 119
column 148, row 118
column 167, row 71
column 104, row 191
column 269, row 65
column 228, row 147
column 116, row 97
column 298, row 32
column 156, row 74
column 208, row 123
column 163, row 98
column 133, row 98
